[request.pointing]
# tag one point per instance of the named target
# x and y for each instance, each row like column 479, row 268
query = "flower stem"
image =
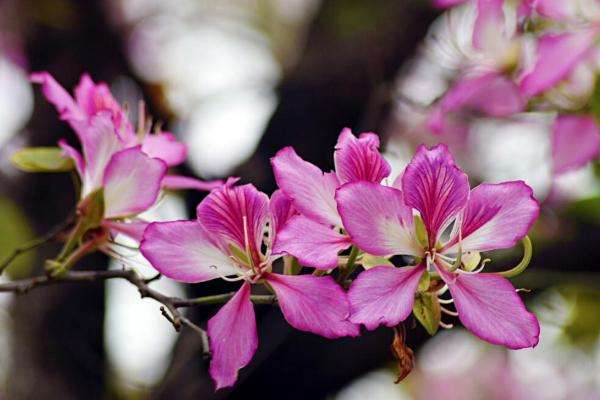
column 350, row 265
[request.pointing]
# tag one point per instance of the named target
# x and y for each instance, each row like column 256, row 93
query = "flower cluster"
column 518, row 63
column 333, row 222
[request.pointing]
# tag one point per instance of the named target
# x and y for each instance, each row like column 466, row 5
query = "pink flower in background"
column 94, row 102
column 380, row 221
column 234, row 236
column 314, row 236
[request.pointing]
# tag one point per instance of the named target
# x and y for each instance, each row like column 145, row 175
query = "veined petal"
column 377, row 219
column 313, row 244
column 359, row 159
column 93, row 98
column 184, row 251
column 314, row 304
column 166, row 147
column 134, row 229
column 99, row 142
column 490, row 93
column 131, row 182
column 489, row 306
column 575, row 142
column 497, row 216
column 236, row 213
column 384, row 295
column 552, row 66
column 436, row 187
column 311, row 191
column 178, row 182
column 75, row 155
column 232, row 338
column 281, row 210
column 58, row 96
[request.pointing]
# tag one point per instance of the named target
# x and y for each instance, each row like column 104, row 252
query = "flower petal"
column 377, row 219
column 184, row 251
column 134, row 229
column 311, row 191
column 166, row 147
column 74, row 154
column 58, row 96
column 359, row 159
column 489, row 306
column 236, row 213
column 497, row 216
column 232, row 338
column 551, row 65
column 436, row 187
column 99, row 142
column 575, row 142
column 384, row 295
column 489, row 24
column 178, row 182
column 281, row 209
column 313, row 244
column 559, row 10
column 314, row 304
column 131, row 183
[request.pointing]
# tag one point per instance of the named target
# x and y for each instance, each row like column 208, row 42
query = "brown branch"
column 170, row 305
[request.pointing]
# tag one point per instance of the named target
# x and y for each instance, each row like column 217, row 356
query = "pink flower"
column 130, row 167
column 233, row 236
column 94, row 108
column 380, row 221
column 314, row 236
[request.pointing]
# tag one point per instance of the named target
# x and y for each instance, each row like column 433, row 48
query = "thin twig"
column 37, row 242
column 170, row 305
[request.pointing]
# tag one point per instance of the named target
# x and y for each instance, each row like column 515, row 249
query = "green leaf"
column 369, row 261
column 428, row 312
column 42, row 159
column 15, row 231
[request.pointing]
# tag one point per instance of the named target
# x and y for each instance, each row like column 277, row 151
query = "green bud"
column 42, row 159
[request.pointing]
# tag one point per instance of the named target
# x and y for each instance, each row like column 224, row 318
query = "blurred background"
column 237, row 80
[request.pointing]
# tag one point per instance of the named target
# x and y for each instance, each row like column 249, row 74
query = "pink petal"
column 236, row 214
column 314, row 304
column 185, row 251
column 489, row 24
column 58, row 96
column 497, row 216
column 359, row 159
column 436, row 187
column 559, row 10
column 178, row 182
column 232, row 338
column 74, row 154
column 134, row 229
column 575, row 142
column 377, row 219
column 99, row 143
column 447, row 3
column 166, row 147
column 311, row 191
column 313, row 244
column 281, row 209
column 552, row 66
column 131, row 183
column 489, row 306
column 384, row 295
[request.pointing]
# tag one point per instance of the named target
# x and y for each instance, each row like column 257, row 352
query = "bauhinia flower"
column 413, row 221
column 232, row 239
column 315, row 236
column 94, row 101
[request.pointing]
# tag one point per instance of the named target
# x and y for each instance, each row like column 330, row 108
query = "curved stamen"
column 446, row 326
column 228, row 279
column 449, row 312
column 446, row 301
column 520, row 267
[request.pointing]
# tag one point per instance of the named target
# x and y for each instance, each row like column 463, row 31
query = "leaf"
column 370, row 261
column 42, row 159
column 15, row 231
column 428, row 312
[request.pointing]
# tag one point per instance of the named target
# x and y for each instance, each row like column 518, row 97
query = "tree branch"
column 170, row 305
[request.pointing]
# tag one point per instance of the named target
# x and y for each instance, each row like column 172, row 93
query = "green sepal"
column 369, row 261
column 424, row 282
column 42, row 159
column 428, row 312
